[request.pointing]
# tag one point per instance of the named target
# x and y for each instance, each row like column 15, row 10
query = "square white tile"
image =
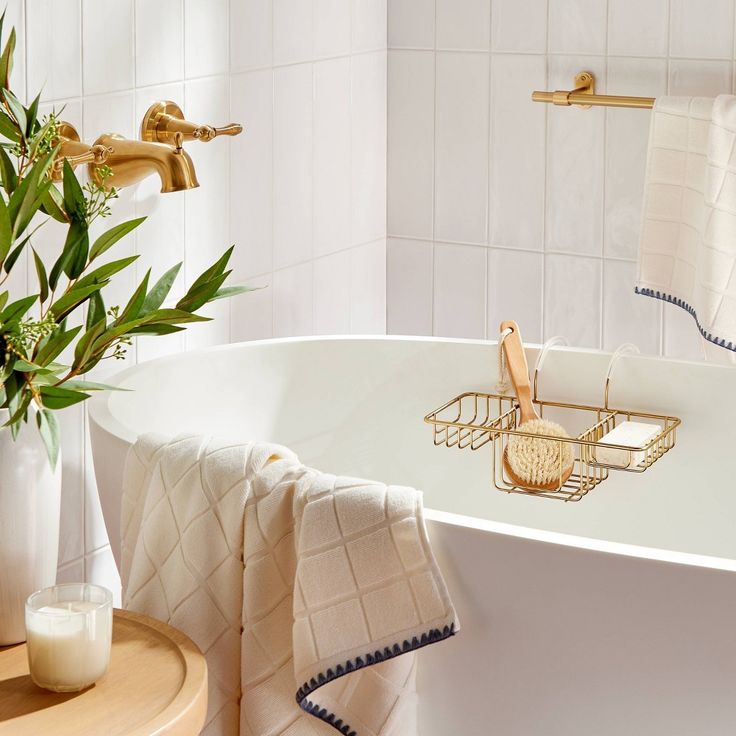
column 577, row 26
column 251, row 173
column 459, row 291
column 331, row 155
column 409, row 277
column 461, row 147
column 292, row 301
column 515, row 283
column 54, row 29
column 251, row 315
column 700, row 78
column 331, row 294
column 410, row 186
column 517, row 160
column 702, row 30
column 463, row 24
column 411, row 24
column 292, row 164
column 368, row 147
column 331, row 28
column 159, row 41
column 519, row 26
column 638, row 27
column 369, row 25
column 572, row 299
column 251, row 34
column 206, row 37
column 108, row 63
column 368, row 288
column 293, row 31
column 627, row 316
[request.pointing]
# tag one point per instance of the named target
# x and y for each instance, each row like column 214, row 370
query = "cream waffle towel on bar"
column 688, row 238
column 300, row 587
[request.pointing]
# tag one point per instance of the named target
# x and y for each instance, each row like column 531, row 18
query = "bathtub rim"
column 103, row 420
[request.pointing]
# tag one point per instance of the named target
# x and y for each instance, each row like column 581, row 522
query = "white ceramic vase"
column 30, row 500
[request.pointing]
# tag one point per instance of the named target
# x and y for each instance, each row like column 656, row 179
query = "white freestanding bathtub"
column 614, row 615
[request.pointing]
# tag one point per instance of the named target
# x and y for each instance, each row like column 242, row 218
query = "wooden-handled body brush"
column 532, row 462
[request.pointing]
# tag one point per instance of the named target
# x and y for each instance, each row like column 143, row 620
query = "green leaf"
column 6, row 235
column 16, row 109
column 7, row 170
column 4, row 296
column 79, row 250
column 103, row 273
column 15, row 254
column 48, row 427
column 156, row 329
column 43, row 281
column 95, row 310
column 161, row 289
column 32, row 114
column 53, row 205
column 133, row 307
column 56, row 397
column 216, row 269
column 172, row 316
column 92, row 386
column 26, row 366
column 77, row 242
column 17, row 309
column 109, row 238
column 72, row 299
column 196, row 298
column 6, row 61
column 83, row 349
column 56, row 344
column 8, row 129
column 228, row 291
column 74, row 202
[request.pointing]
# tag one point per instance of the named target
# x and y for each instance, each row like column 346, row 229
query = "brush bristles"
column 536, row 461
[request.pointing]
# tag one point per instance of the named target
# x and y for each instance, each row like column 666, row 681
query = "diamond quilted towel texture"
column 308, row 593
column 687, row 252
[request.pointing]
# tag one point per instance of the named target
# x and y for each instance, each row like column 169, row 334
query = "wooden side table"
column 156, row 684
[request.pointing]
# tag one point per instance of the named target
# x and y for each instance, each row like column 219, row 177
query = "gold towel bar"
column 584, row 96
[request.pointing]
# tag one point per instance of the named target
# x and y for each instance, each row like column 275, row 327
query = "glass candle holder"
column 69, row 634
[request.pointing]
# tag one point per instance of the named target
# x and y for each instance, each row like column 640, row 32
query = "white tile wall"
column 308, row 185
column 302, row 193
column 500, row 207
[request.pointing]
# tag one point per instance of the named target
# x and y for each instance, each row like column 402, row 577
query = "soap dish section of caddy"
column 607, row 439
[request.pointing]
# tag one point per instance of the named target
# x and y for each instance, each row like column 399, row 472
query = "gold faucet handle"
column 73, row 150
column 165, row 120
column 95, row 155
column 206, row 133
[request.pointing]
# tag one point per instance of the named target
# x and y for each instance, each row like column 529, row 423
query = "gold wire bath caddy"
column 473, row 420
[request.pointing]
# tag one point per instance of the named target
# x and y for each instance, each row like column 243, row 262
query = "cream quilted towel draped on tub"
column 687, row 254
column 300, row 587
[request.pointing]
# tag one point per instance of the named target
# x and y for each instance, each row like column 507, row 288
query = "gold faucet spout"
column 132, row 161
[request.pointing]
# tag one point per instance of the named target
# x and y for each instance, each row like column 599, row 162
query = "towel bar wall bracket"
column 584, row 96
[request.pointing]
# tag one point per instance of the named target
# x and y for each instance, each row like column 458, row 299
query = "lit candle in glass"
column 69, row 633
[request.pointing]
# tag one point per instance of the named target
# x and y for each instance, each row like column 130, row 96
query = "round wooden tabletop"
column 156, row 684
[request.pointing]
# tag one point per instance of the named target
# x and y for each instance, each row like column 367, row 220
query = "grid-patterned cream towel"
column 300, row 587
column 687, row 254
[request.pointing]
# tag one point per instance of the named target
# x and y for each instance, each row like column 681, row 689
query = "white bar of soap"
column 630, row 434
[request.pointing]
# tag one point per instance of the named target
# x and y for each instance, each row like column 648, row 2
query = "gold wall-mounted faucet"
column 132, row 161
column 75, row 152
column 165, row 119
